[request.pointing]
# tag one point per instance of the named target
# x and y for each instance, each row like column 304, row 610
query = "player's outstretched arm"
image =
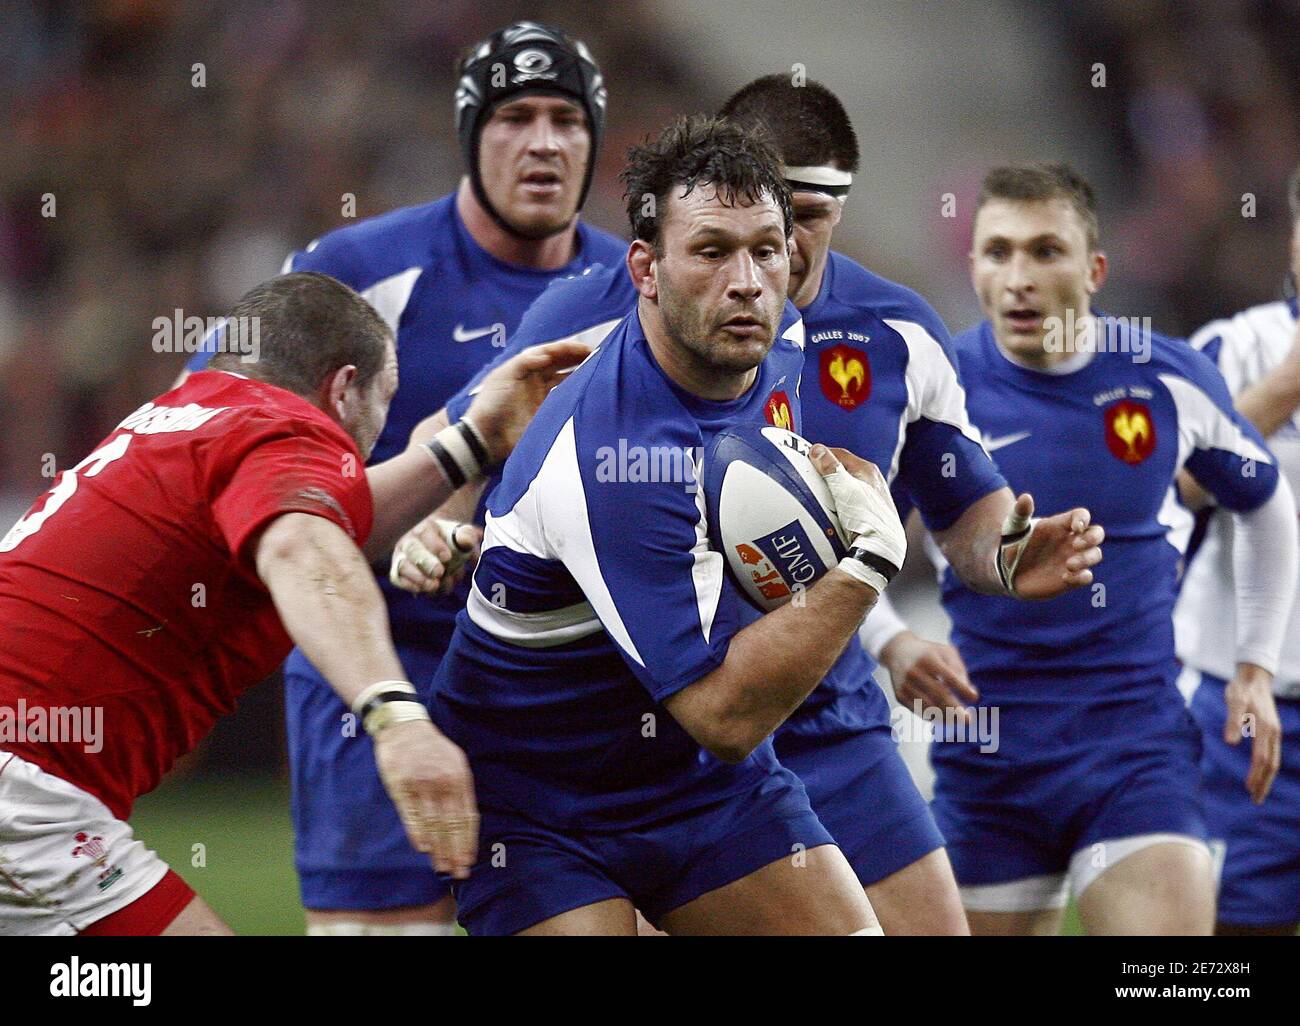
column 997, row 546
column 773, row 664
column 404, row 488
column 331, row 607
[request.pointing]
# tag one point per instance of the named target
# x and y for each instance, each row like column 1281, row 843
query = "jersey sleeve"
column 639, row 551
column 1217, row 445
column 291, row 467
column 942, row 466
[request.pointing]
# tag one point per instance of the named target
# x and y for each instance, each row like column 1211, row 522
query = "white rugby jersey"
column 1245, row 348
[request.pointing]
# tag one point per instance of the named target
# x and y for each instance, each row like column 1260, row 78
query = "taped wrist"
column 872, row 570
column 388, row 702
column 460, row 452
column 1015, row 539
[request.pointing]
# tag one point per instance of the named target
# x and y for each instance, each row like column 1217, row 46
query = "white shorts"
column 1038, row 893
column 65, row 860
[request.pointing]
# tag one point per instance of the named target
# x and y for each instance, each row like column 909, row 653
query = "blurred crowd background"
column 188, row 147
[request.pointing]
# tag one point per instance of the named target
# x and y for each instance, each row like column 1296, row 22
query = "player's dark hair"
column 1035, row 182
column 308, row 326
column 806, row 124
column 696, row 151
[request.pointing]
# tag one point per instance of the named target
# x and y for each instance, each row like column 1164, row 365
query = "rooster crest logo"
column 778, row 412
column 1130, row 432
column 845, row 376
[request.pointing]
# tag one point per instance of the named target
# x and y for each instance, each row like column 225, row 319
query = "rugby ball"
column 770, row 513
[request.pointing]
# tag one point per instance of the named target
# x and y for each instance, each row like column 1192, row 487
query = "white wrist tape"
column 460, row 452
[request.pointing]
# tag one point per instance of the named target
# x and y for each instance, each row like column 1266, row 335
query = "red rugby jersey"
column 128, row 591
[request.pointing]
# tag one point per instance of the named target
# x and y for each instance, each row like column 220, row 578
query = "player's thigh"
column 612, row 918
column 1042, row 922
column 920, row 899
column 197, row 920
column 863, row 793
column 812, row 892
column 1166, row 888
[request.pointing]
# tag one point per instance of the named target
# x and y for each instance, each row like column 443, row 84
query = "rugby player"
column 166, row 573
column 1093, row 787
column 883, row 385
column 1258, row 353
column 452, row 277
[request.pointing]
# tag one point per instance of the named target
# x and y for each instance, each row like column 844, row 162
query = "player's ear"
column 1097, row 270
column 334, row 391
column 640, row 265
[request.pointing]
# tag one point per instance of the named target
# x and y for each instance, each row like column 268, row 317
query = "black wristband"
column 475, row 445
column 386, row 696
column 879, row 564
column 449, row 466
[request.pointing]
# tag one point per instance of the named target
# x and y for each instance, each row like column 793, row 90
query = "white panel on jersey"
column 532, row 630
column 706, row 574
column 933, row 390
column 567, row 530
column 390, row 295
column 1178, row 520
column 795, row 333
column 1202, row 425
column 550, row 522
column 1253, row 342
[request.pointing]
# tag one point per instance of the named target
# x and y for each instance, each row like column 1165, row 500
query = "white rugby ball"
column 770, row 513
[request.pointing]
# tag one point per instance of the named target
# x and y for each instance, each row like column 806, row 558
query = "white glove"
column 878, row 543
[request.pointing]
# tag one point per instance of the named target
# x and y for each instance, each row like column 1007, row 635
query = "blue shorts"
column 351, row 850
column 862, row 792
column 528, row 873
column 1260, row 883
column 1066, row 775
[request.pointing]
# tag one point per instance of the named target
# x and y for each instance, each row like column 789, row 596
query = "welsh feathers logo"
column 1130, row 431
column 93, row 847
column 777, row 411
column 845, row 375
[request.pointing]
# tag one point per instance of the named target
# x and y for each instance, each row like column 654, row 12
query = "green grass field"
column 247, row 841
column 244, row 828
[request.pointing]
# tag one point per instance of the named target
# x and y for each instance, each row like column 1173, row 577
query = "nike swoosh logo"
column 993, row 444
column 461, row 335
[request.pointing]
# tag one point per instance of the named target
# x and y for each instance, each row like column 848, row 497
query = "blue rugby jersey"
column 453, row 306
column 1110, row 435
column 880, row 379
column 597, row 596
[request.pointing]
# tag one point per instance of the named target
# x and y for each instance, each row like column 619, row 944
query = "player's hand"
column 863, row 505
column 510, row 395
column 429, row 780
column 928, row 672
column 1252, row 713
column 1056, row 555
column 430, row 559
